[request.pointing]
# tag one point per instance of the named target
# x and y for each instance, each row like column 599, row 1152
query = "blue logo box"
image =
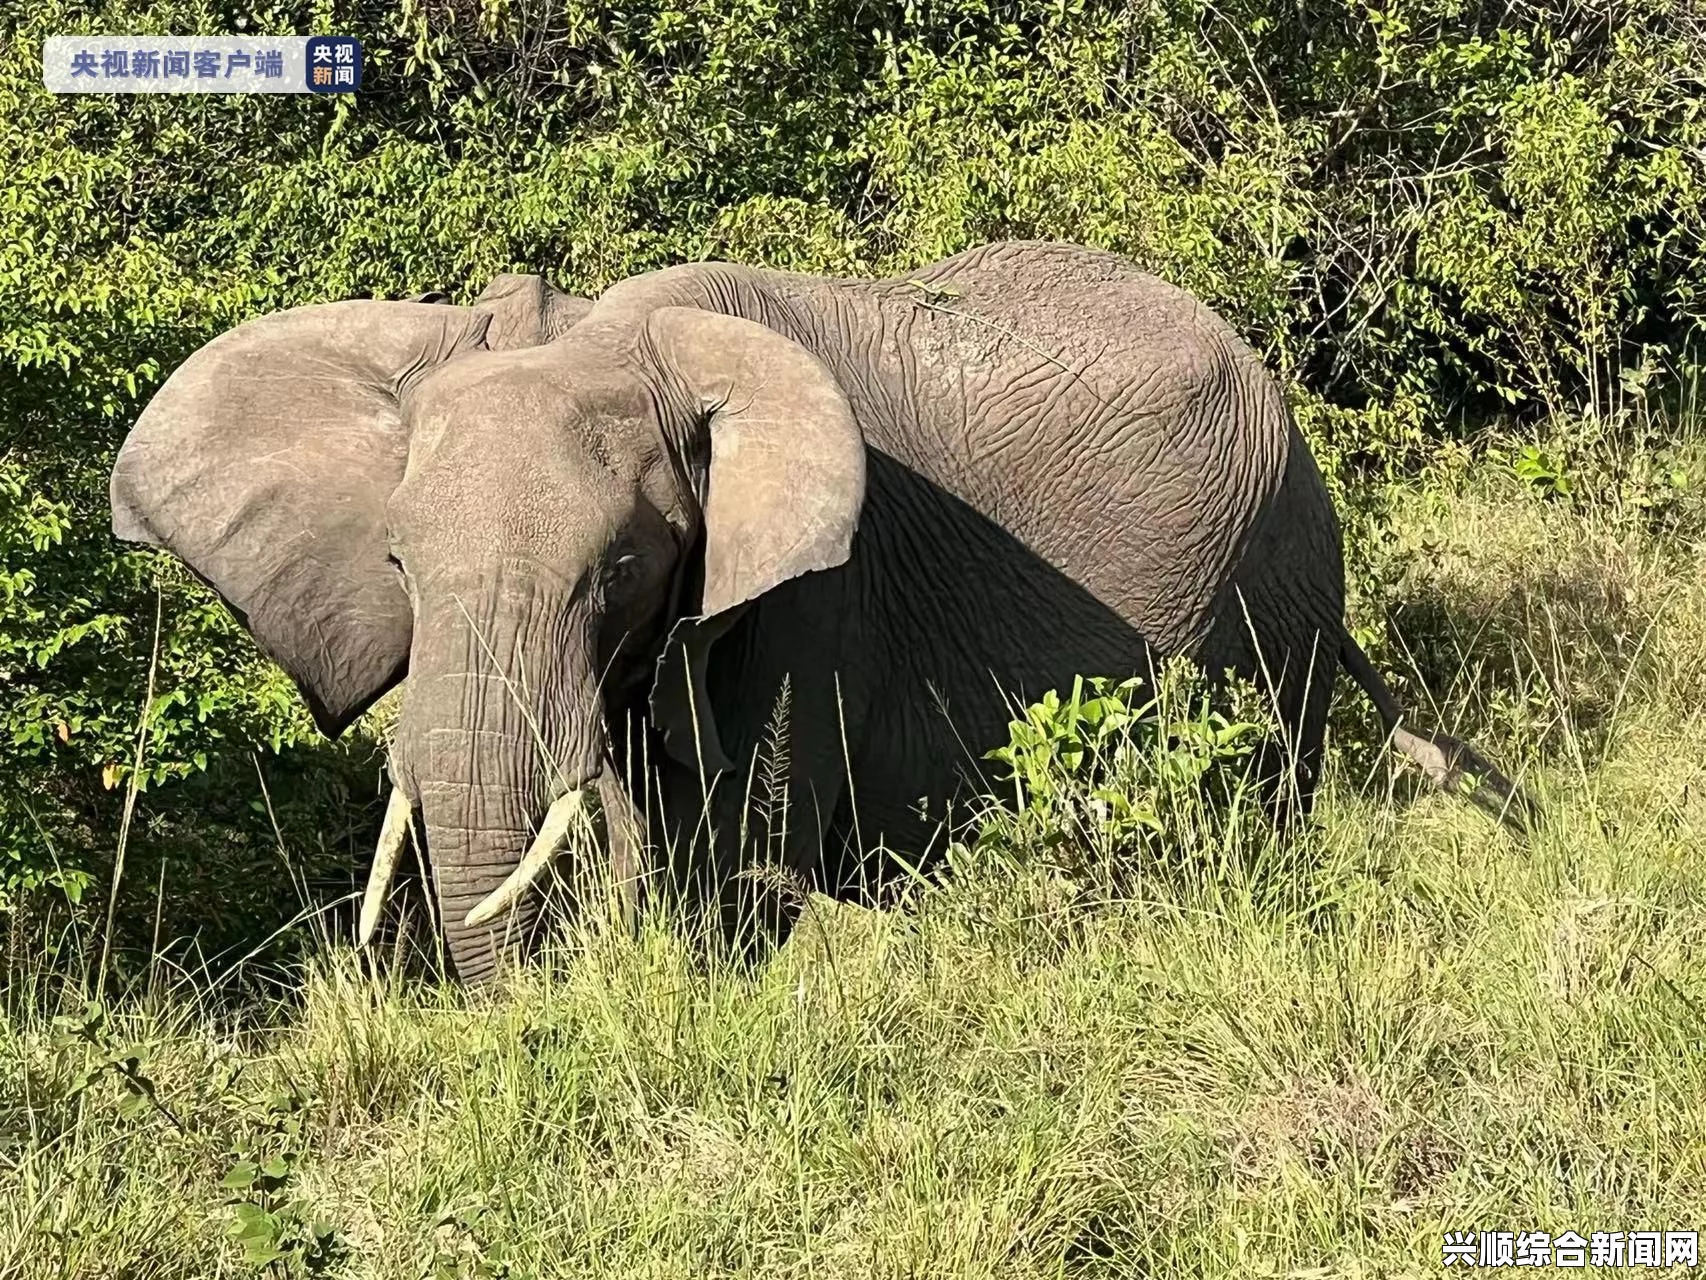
column 334, row 64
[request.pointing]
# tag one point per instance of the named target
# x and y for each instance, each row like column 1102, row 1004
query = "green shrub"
column 1111, row 770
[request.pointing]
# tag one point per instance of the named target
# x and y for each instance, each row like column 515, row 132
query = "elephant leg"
column 624, row 832
column 1279, row 623
column 788, row 689
column 1288, row 769
column 758, row 836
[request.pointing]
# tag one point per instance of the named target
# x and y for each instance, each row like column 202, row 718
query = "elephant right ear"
column 265, row 462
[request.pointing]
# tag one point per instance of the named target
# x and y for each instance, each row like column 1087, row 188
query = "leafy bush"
column 1108, row 770
column 1420, row 212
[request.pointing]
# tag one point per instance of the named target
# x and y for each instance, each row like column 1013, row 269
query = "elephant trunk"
column 475, row 839
column 501, row 718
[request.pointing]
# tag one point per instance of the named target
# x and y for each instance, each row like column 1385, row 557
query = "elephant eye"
column 620, row 567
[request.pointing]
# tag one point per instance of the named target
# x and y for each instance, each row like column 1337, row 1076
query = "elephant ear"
column 780, row 496
column 264, row 463
column 527, row 310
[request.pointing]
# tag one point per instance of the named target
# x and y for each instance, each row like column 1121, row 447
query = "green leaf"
column 240, row 1175
column 250, row 1221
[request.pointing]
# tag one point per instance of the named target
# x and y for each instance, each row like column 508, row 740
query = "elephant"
column 605, row 540
column 525, row 310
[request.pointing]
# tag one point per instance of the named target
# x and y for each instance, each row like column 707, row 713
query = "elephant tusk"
column 562, row 815
column 392, row 836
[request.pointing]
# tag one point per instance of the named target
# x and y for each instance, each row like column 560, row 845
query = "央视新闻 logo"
column 334, row 64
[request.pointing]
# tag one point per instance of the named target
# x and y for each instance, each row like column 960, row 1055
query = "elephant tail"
column 1450, row 764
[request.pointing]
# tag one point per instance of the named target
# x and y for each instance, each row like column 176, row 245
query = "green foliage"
column 1107, row 769
column 1420, row 212
column 1541, row 470
column 463, row 1249
column 90, row 1053
column 276, row 1229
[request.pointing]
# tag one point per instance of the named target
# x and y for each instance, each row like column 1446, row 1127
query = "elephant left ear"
column 782, row 492
column 265, row 462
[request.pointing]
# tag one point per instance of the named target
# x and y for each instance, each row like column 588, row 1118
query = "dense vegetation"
column 1470, row 237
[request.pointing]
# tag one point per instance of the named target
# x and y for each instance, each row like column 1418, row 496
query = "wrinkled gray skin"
column 909, row 502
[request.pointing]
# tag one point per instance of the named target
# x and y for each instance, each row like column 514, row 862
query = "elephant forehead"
column 483, row 495
column 509, row 437
column 532, row 385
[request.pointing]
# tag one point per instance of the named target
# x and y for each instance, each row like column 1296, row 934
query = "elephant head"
column 525, row 310
column 527, row 530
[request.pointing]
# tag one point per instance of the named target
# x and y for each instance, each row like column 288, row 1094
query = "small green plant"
column 462, row 1249
column 102, row 1055
column 1108, row 766
column 276, row 1229
column 1657, row 487
column 1542, row 471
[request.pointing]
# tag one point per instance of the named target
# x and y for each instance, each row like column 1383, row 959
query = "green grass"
column 1242, row 1063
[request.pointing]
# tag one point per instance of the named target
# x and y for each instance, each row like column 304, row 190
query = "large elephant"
column 623, row 531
